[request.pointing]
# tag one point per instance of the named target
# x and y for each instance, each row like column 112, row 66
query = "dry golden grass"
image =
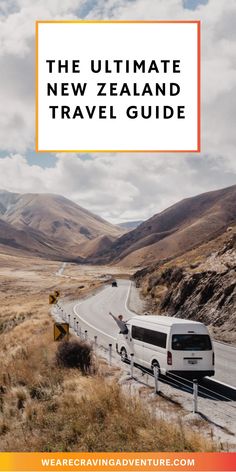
column 44, row 407
column 47, row 408
column 98, row 272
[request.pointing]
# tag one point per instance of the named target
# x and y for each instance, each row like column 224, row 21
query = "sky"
column 118, row 187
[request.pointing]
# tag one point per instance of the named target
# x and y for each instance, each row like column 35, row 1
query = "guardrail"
column 198, row 391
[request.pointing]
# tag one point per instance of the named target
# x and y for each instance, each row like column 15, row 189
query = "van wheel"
column 155, row 364
column 123, row 354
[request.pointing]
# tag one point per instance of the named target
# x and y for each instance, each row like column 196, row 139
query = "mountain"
column 13, row 240
column 175, row 230
column 130, row 224
column 52, row 226
column 49, row 226
column 199, row 285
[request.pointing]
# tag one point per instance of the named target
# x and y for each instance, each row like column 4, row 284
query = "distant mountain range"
column 53, row 227
column 130, row 224
column 175, row 230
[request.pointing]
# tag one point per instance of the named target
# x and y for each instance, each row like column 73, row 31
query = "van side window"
column 137, row 333
column 149, row 336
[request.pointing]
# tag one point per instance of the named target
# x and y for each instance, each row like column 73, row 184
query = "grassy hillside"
column 45, row 407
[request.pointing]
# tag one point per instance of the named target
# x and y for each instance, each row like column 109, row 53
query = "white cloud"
column 17, row 65
column 119, row 186
column 17, row 29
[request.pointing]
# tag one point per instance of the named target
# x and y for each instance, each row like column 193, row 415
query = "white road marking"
column 94, row 327
column 126, row 301
column 221, row 383
column 89, row 324
column 75, row 308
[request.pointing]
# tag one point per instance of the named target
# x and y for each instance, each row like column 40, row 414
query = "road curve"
column 93, row 315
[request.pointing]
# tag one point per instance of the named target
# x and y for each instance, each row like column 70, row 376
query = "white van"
column 177, row 346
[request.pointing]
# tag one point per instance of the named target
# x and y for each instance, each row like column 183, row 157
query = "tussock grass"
column 86, row 414
column 75, row 354
column 45, row 406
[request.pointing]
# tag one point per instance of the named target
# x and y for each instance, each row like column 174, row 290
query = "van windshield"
column 191, row 342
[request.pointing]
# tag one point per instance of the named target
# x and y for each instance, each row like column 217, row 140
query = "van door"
column 136, row 339
column 124, row 342
column 191, row 352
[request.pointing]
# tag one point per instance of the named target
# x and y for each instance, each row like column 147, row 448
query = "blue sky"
column 193, row 4
column 85, row 7
column 49, row 160
column 117, row 187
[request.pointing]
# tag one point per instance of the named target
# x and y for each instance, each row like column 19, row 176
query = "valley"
column 181, row 262
column 182, row 259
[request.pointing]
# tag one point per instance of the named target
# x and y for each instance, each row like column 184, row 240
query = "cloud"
column 119, row 186
column 17, row 65
column 17, row 28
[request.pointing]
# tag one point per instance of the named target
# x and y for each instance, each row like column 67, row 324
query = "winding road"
column 93, row 315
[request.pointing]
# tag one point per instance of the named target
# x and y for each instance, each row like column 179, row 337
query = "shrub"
column 75, row 354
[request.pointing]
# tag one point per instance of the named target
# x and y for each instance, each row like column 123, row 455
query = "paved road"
column 61, row 269
column 225, row 363
column 94, row 316
column 94, row 312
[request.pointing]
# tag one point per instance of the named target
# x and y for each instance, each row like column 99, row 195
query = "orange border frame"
column 197, row 22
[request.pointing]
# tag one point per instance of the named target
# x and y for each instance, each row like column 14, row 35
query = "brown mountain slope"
column 199, row 285
column 49, row 225
column 175, row 230
column 101, row 243
column 13, row 241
